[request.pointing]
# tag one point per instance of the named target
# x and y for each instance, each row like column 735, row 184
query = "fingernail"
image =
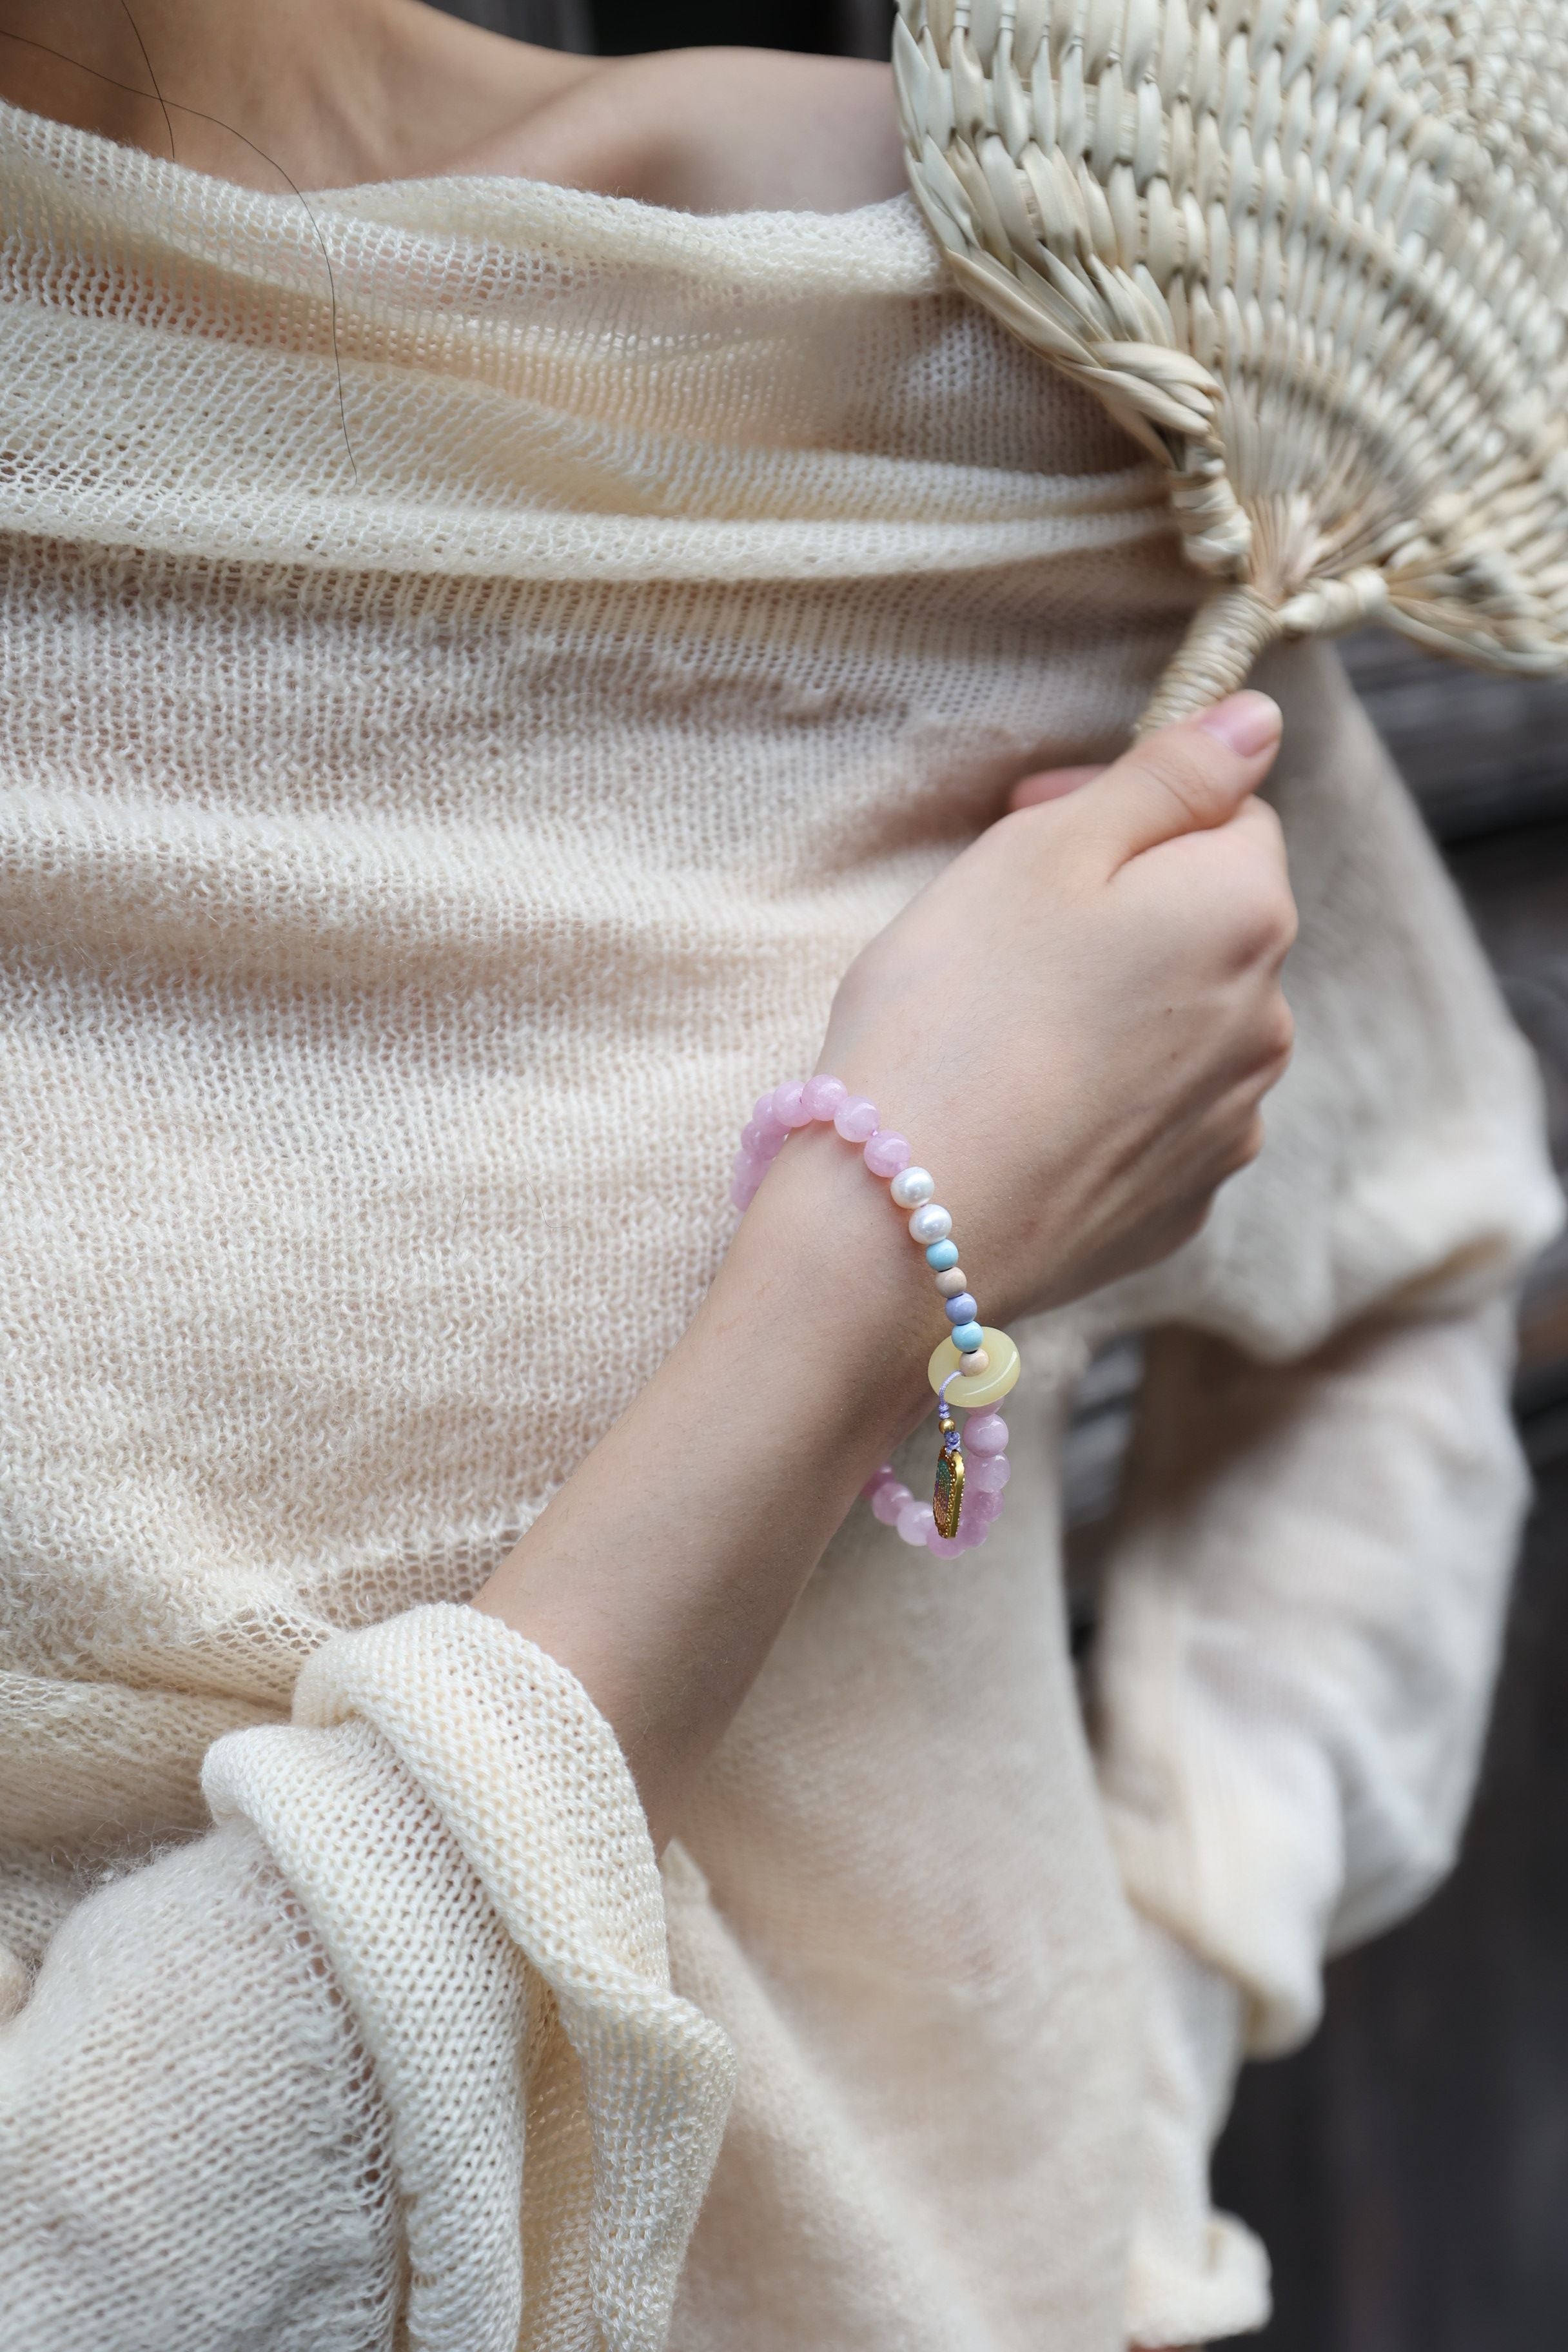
column 1249, row 723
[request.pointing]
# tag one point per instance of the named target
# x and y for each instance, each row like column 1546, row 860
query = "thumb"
column 1186, row 778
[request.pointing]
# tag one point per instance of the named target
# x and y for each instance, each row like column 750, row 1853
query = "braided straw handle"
column 1310, row 255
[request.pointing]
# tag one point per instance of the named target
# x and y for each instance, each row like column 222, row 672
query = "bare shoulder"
column 715, row 131
column 328, row 94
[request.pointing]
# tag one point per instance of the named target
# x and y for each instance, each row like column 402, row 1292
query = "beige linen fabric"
column 419, row 849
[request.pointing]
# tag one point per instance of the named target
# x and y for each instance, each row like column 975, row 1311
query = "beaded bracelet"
column 977, row 1364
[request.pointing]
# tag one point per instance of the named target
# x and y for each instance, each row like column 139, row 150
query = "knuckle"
column 1279, row 1040
column 1263, row 819
column 1249, row 1143
column 1285, row 918
column 1193, row 1220
column 1263, row 910
column 1186, row 1218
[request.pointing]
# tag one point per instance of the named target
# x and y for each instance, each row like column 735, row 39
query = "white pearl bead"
column 930, row 1224
column 950, row 1282
column 910, row 1186
column 977, row 1360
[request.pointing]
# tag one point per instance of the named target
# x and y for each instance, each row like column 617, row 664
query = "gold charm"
column 948, row 1500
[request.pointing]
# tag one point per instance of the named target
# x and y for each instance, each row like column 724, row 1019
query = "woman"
column 498, row 670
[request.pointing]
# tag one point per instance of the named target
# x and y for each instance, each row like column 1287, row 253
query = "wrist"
column 822, row 1270
column 972, row 1369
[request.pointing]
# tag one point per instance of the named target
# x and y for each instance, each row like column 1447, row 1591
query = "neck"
column 327, row 92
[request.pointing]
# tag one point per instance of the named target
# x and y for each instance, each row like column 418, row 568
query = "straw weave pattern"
column 1310, row 253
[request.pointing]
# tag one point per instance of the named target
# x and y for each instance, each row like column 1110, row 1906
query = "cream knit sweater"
column 413, row 863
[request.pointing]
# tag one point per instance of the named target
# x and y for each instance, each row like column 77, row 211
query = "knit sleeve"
column 391, row 2055
column 1296, row 1658
column 1303, row 1601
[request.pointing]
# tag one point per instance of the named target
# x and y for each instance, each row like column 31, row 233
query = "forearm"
column 1090, row 1141
column 661, row 1572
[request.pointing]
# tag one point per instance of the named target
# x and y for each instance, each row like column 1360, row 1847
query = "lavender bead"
column 916, row 1522
column 988, row 1475
column 789, row 1107
column 977, row 1503
column 945, row 1546
column 822, row 1096
column 985, row 1433
column 964, row 1308
column 887, row 1153
column 855, row 1119
column 889, row 1500
column 743, row 1192
column 761, row 1142
column 765, row 1116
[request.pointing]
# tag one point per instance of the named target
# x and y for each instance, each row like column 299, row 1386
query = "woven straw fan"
column 1310, row 253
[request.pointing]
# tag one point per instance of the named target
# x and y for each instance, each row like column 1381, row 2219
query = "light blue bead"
column 941, row 1255
column 967, row 1337
column 964, row 1308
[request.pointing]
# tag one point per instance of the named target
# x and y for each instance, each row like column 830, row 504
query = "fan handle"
column 1230, row 628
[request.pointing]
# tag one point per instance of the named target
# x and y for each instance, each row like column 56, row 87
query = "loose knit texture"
column 410, row 867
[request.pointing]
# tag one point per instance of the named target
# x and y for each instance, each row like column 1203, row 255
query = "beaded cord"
column 980, row 1364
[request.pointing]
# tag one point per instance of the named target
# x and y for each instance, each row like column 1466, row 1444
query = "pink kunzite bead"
column 878, row 1479
column 916, row 1522
column 945, row 1546
column 855, row 1119
column 977, row 1503
column 789, row 1110
column 743, row 1190
column 761, row 1142
column 821, row 1097
column 889, row 1500
column 985, row 1433
column 885, row 1153
column 988, row 1475
column 765, row 1116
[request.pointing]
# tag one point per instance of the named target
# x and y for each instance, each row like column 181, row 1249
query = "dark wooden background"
column 1409, row 2170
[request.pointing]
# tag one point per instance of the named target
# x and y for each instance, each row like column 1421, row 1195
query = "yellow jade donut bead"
column 989, row 1387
